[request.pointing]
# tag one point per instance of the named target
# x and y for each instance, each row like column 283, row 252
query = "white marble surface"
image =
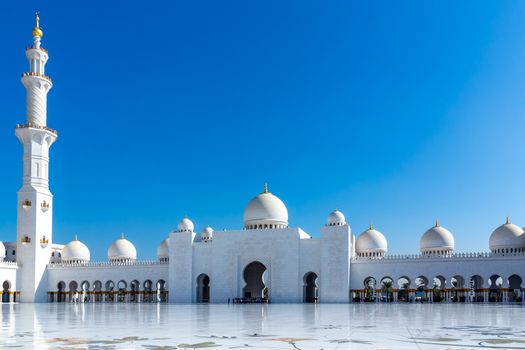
column 294, row 326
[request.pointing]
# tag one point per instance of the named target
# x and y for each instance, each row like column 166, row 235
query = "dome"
column 207, row 234
column 163, row 250
column 186, row 225
column 436, row 240
column 75, row 251
column 336, row 218
column 122, row 249
column 265, row 211
column 371, row 243
column 507, row 238
column 2, row 251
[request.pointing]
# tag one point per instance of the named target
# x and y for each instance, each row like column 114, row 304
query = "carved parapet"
column 35, row 74
column 35, row 126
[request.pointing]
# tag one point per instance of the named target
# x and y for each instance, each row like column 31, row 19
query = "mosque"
column 265, row 261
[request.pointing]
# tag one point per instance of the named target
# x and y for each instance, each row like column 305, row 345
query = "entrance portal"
column 6, row 289
column 255, row 278
column 203, row 288
column 310, row 288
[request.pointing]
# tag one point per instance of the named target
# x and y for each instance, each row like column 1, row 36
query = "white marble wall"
column 335, row 264
column 181, row 267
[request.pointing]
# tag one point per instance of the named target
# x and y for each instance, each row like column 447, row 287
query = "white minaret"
column 35, row 201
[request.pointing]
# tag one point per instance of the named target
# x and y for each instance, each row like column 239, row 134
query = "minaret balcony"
column 35, row 126
column 35, row 74
column 33, row 47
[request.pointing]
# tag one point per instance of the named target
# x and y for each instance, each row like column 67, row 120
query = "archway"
column 421, row 288
column 147, row 293
column 97, row 290
column 84, row 288
column 161, row 291
column 134, row 287
column 73, row 292
column 439, row 286
column 370, row 289
column 514, row 293
column 387, row 285
column 61, row 287
column 476, row 288
column 403, row 284
column 122, row 292
column 203, row 288
column 495, row 291
column 457, row 292
column 255, row 288
column 110, row 290
column 6, row 289
column 310, row 289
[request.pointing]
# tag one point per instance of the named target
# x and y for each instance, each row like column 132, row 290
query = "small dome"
column 163, row 250
column 336, row 218
column 75, row 251
column 207, row 234
column 507, row 237
column 265, row 211
column 437, row 240
column 37, row 32
column 2, row 251
column 122, row 249
column 186, row 225
column 371, row 243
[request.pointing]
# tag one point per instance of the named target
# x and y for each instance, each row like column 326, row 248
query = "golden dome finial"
column 75, row 237
column 371, row 227
column 507, row 221
column 37, row 31
column 265, row 187
column 122, row 236
column 437, row 223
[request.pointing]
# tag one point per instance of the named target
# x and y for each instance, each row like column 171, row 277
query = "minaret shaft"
column 35, row 201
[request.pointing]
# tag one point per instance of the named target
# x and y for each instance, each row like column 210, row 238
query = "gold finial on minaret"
column 507, row 221
column 265, row 187
column 75, row 237
column 122, row 236
column 437, row 223
column 37, row 31
column 371, row 227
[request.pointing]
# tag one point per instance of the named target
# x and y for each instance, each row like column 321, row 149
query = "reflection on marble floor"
column 297, row 326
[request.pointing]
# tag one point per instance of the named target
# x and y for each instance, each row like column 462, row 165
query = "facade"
column 265, row 261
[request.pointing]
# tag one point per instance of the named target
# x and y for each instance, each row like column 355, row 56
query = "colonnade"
column 155, row 296
column 146, row 292
column 484, row 295
column 494, row 288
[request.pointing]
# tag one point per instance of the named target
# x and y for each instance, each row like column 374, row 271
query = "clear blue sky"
column 394, row 112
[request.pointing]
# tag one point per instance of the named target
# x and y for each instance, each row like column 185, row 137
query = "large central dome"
column 265, row 211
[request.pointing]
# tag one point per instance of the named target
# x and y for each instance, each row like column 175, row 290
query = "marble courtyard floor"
column 274, row 326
